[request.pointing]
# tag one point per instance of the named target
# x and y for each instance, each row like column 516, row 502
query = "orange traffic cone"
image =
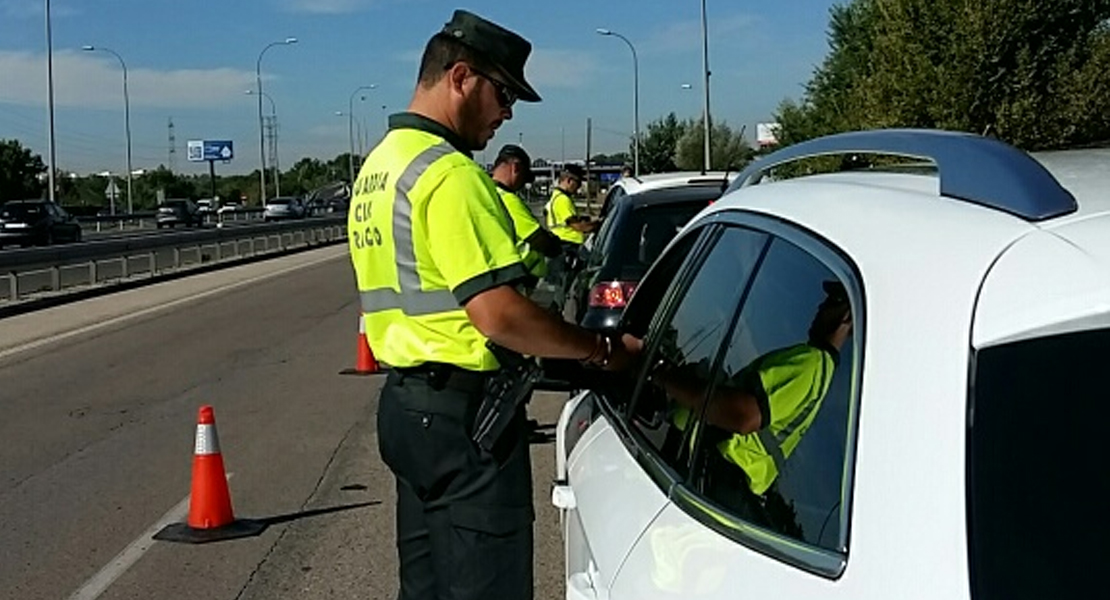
column 210, row 500
column 210, row 515
column 365, row 363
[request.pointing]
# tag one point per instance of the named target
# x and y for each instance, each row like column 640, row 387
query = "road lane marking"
column 99, row 583
column 80, row 331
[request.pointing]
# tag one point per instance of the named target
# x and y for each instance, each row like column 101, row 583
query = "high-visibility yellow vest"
column 796, row 380
column 560, row 208
column 524, row 224
column 427, row 232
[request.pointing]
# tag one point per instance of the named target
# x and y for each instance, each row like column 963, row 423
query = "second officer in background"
column 512, row 170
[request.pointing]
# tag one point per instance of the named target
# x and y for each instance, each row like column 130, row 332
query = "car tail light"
column 611, row 294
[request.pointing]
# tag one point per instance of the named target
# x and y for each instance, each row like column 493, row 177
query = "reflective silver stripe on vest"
column 412, row 300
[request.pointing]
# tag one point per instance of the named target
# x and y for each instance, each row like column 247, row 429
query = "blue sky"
column 193, row 62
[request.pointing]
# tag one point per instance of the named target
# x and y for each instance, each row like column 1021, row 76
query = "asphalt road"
column 99, row 403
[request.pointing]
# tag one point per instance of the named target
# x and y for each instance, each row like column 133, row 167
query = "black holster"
column 506, row 393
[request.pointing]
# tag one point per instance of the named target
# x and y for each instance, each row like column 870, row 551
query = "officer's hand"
column 626, row 351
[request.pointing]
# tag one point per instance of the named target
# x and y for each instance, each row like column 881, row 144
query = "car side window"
column 687, row 342
column 643, row 306
column 774, row 430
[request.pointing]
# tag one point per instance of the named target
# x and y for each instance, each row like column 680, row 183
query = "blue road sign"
column 202, row 150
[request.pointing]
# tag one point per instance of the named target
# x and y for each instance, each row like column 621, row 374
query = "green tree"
column 658, row 144
column 728, row 151
column 19, row 172
column 1033, row 72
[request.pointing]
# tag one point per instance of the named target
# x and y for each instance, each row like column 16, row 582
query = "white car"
column 284, row 207
column 943, row 436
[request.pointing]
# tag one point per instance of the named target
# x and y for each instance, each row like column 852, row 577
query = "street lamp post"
column 350, row 130
column 50, row 102
column 126, row 117
column 261, row 127
column 705, row 68
column 635, row 98
column 273, row 120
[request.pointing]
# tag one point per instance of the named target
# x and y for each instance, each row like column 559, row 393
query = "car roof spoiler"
column 972, row 168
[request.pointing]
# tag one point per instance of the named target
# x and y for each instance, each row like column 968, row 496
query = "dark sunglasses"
column 505, row 96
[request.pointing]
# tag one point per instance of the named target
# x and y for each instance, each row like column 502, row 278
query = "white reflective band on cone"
column 207, row 442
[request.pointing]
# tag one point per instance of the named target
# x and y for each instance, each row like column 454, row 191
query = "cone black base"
column 181, row 532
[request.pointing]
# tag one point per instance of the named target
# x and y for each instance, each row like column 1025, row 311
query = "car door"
column 716, row 537
column 606, row 497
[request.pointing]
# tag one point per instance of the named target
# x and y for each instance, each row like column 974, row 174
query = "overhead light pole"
column 350, row 130
column 635, row 98
column 705, row 69
column 50, row 103
column 126, row 117
column 261, row 127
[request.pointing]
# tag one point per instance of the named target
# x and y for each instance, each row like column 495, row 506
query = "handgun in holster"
column 506, row 392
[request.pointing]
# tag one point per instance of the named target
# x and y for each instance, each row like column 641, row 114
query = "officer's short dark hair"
column 443, row 51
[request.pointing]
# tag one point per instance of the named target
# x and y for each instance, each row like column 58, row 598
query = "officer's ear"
column 456, row 77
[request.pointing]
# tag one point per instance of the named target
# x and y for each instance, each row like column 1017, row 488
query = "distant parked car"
column 207, row 206
column 36, row 222
column 179, row 212
column 284, row 207
column 642, row 216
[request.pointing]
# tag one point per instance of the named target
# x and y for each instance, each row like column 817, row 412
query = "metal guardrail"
column 148, row 219
column 55, row 268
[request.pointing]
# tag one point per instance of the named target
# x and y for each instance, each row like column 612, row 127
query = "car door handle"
column 562, row 496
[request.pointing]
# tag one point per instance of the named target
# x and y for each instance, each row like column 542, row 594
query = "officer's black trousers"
column 464, row 517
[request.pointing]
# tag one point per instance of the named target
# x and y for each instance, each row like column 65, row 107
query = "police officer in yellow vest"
column 512, row 170
column 562, row 218
column 436, row 262
column 560, row 211
column 759, row 416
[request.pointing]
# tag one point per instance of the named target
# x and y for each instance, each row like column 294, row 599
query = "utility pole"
column 172, row 161
column 271, row 137
column 705, row 67
column 589, row 131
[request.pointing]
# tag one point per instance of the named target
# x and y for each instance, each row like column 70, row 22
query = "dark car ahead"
column 178, row 212
column 36, row 222
column 636, row 229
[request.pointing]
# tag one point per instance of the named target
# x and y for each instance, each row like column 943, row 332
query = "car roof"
column 643, row 183
column 1019, row 277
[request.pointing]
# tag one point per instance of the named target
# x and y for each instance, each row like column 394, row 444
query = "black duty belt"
column 441, row 376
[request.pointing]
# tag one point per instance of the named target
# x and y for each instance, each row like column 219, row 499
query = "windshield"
column 282, row 201
column 1037, row 453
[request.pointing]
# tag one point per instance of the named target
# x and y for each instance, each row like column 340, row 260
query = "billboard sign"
column 202, row 150
column 767, row 134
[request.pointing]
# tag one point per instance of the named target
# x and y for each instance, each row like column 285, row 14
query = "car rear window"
column 1037, row 467
column 280, row 201
column 641, row 232
column 21, row 211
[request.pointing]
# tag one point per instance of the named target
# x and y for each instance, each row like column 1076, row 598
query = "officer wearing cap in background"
column 564, row 221
column 512, row 170
column 436, row 262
